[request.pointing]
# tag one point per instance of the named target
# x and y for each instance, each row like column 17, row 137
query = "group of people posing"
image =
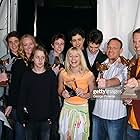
column 49, row 95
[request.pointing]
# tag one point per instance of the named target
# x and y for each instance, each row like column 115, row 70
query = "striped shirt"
column 112, row 109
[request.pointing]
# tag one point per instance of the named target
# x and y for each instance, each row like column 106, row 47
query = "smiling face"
column 28, row 46
column 74, row 59
column 136, row 43
column 58, row 46
column 93, row 48
column 114, row 50
column 39, row 59
column 77, row 41
column 13, row 44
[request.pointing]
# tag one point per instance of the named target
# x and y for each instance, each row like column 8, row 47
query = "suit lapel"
column 86, row 57
column 97, row 59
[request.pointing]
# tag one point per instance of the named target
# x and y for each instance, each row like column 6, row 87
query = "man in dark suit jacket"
column 93, row 55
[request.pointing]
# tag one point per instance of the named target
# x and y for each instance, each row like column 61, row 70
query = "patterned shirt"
column 112, row 109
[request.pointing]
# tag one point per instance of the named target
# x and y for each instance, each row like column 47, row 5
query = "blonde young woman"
column 74, row 116
column 22, row 64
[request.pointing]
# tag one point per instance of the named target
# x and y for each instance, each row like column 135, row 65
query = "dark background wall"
column 56, row 16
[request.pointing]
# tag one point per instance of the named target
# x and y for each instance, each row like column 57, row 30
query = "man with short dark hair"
column 12, row 40
column 57, row 44
column 109, row 115
column 93, row 55
column 56, row 60
column 77, row 38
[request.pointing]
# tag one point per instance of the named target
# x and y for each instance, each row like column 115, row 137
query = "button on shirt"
column 112, row 109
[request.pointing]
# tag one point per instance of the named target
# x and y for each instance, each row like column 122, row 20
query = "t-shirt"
column 38, row 93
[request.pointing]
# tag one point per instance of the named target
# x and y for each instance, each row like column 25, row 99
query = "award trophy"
column 69, row 88
column 128, row 63
column 101, row 68
column 3, row 69
column 100, row 93
column 57, row 62
column 70, row 91
column 128, row 93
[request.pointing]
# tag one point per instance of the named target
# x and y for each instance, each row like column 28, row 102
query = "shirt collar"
column 90, row 54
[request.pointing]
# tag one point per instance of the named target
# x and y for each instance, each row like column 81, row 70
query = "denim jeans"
column 108, row 129
column 132, row 134
column 38, row 130
column 18, row 132
column 54, row 135
column 1, row 127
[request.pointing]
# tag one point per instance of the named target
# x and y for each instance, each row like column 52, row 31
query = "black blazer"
column 100, row 58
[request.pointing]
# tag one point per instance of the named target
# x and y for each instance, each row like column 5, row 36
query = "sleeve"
column 17, row 72
column 21, row 102
column 54, row 101
column 122, row 74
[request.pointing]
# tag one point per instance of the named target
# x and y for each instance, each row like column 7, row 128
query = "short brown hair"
column 12, row 34
column 56, row 37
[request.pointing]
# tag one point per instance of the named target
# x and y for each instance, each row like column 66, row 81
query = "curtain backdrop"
column 118, row 18
column 8, row 21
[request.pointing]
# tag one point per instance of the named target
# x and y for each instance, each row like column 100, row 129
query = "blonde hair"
column 21, row 52
column 83, row 64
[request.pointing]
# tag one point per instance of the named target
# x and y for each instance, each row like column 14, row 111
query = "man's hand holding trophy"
column 100, row 92
column 130, row 92
column 3, row 74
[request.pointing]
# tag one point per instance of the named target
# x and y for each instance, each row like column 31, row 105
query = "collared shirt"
column 112, row 109
column 91, row 57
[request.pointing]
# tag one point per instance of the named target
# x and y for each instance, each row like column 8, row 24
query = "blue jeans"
column 1, row 127
column 132, row 134
column 108, row 129
column 18, row 132
column 38, row 130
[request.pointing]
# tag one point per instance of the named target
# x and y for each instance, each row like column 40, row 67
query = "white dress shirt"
column 91, row 57
column 112, row 109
